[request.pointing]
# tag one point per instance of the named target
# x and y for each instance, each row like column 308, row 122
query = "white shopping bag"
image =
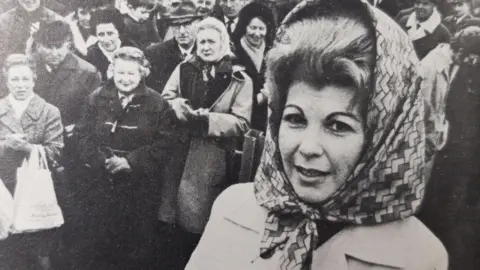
column 6, row 211
column 35, row 202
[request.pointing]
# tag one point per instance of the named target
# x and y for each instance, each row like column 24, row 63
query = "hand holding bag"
column 6, row 211
column 35, row 202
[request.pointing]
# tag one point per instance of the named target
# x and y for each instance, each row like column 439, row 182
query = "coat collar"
column 224, row 66
column 34, row 109
column 110, row 91
column 378, row 244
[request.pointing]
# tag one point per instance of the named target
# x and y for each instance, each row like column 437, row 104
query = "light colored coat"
column 232, row 241
column 204, row 173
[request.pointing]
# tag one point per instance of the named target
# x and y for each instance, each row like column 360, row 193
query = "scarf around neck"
column 255, row 54
column 388, row 182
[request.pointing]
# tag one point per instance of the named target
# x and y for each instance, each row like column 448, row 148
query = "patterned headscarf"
column 388, row 182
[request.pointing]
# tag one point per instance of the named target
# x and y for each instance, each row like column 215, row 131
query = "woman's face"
column 108, row 36
column 321, row 138
column 208, row 45
column 126, row 75
column 256, row 32
column 20, row 82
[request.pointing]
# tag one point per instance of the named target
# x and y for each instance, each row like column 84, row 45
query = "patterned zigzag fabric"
column 388, row 183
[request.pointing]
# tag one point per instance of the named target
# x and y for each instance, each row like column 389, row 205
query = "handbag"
column 6, row 211
column 35, row 202
column 252, row 152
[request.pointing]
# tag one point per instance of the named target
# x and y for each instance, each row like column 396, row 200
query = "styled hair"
column 130, row 54
column 334, row 49
column 51, row 34
column 217, row 25
column 19, row 60
column 260, row 11
column 106, row 15
column 149, row 4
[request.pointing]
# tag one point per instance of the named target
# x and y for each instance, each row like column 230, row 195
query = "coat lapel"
column 33, row 112
column 7, row 117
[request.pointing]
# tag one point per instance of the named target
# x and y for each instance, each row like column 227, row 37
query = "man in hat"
column 165, row 56
column 424, row 27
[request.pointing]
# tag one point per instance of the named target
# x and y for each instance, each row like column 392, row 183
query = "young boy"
column 139, row 24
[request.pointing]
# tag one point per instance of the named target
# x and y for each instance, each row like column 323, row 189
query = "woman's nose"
column 311, row 145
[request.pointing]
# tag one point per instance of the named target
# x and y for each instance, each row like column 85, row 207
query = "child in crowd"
column 139, row 24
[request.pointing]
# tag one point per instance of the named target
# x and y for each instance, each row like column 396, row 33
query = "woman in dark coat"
column 124, row 138
column 26, row 120
column 252, row 39
column 108, row 26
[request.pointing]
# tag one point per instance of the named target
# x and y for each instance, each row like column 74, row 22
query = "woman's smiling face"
column 321, row 138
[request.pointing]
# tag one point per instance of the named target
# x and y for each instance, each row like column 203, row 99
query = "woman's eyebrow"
column 346, row 114
column 293, row 106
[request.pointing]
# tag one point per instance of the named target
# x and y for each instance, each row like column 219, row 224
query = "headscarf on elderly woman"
column 344, row 73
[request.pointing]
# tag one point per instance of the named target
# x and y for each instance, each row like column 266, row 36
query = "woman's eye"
column 294, row 119
column 340, row 127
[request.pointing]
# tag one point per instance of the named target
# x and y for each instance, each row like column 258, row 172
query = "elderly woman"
column 342, row 171
column 25, row 120
column 253, row 37
column 213, row 98
column 124, row 138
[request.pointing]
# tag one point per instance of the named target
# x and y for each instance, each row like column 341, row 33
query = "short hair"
column 134, row 54
column 256, row 10
column 334, row 49
column 19, row 60
column 149, row 4
column 53, row 34
column 215, row 24
column 106, row 15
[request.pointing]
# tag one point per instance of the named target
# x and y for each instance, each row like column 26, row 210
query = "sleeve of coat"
column 53, row 142
column 237, row 122
column 172, row 88
column 87, row 147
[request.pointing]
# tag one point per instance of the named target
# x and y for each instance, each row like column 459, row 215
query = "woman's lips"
column 310, row 173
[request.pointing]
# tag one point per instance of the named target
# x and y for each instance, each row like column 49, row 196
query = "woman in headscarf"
column 213, row 98
column 252, row 39
column 342, row 172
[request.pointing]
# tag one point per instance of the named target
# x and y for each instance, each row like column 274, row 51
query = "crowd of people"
column 369, row 156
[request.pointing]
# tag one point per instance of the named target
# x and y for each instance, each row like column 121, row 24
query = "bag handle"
column 42, row 155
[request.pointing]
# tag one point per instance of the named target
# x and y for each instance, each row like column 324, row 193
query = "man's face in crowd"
column 231, row 8
column 142, row 13
column 54, row 54
column 460, row 8
column 205, row 7
column 184, row 32
column 84, row 15
column 424, row 9
column 29, row 5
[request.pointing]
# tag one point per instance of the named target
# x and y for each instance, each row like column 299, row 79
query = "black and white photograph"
column 239, row 134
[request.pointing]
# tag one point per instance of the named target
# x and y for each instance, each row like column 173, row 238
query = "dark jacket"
column 125, row 203
column 41, row 123
column 143, row 34
column 259, row 112
column 96, row 57
column 454, row 26
column 427, row 43
column 67, row 86
column 164, row 58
